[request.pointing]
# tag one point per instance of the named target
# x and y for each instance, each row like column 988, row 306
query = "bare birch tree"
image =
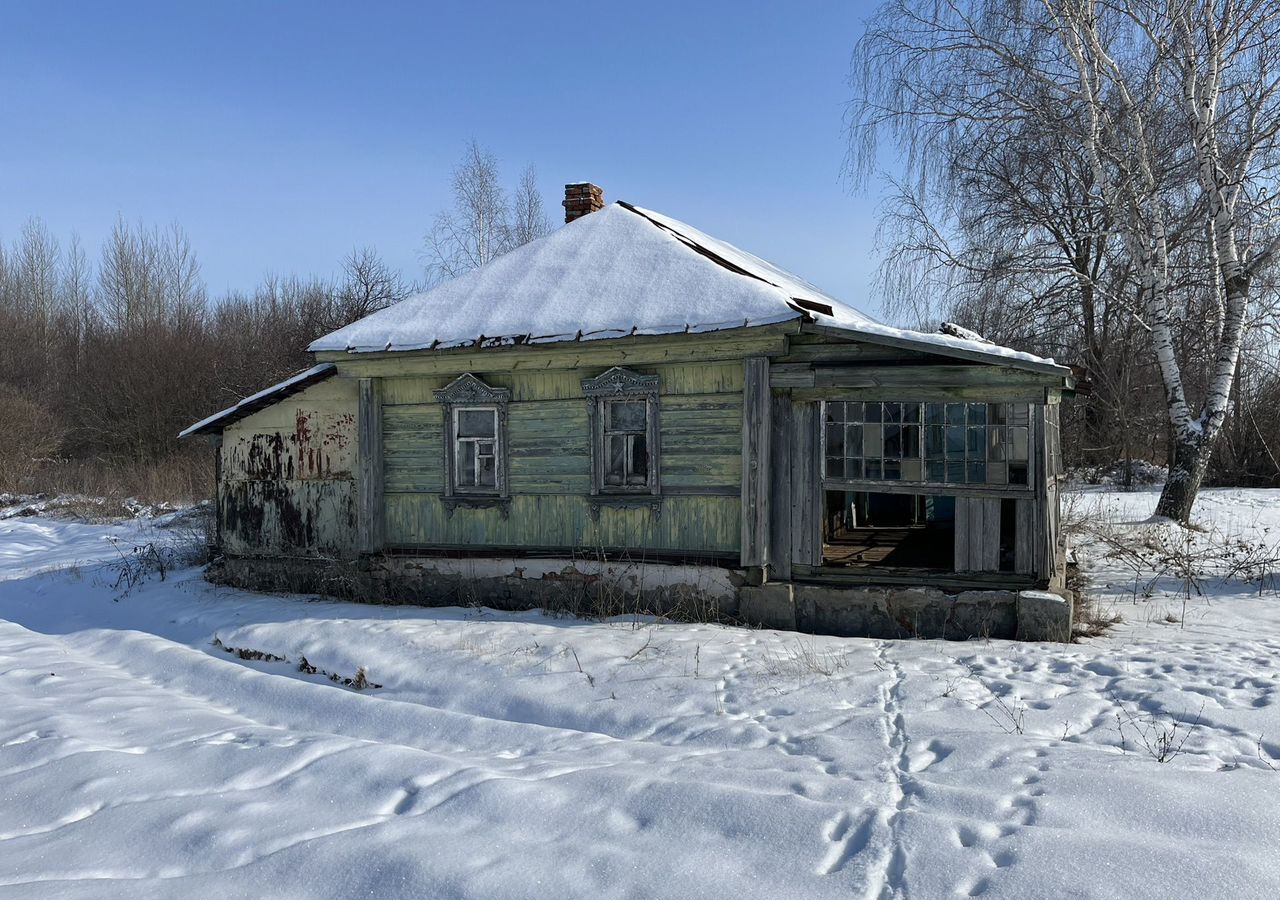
column 482, row 225
column 1173, row 107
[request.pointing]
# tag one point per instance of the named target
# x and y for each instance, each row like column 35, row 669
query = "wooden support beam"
column 370, row 519
column 806, row 486
column 756, row 445
column 782, row 440
column 1024, row 538
column 980, row 393
column 876, row 486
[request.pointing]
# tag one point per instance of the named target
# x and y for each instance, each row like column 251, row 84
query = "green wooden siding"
column 549, row 466
column 687, row 524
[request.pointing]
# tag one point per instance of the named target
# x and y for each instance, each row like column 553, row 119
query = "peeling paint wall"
column 287, row 478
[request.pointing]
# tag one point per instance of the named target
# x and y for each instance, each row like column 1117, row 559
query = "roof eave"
column 905, row 341
column 215, row 423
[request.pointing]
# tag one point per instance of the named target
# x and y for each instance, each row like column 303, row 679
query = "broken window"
column 624, row 432
column 939, row 443
column 626, row 438
column 475, row 419
column 475, row 452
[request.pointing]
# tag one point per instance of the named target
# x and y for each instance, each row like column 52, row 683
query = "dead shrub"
column 31, row 436
column 180, row 478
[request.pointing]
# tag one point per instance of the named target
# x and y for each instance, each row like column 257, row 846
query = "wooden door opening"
column 871, row 530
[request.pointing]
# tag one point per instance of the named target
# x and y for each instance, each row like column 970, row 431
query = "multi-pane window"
column 626, row 442
column 623, row 406
column 475, row 421
column 944, row 443
column 475, row 454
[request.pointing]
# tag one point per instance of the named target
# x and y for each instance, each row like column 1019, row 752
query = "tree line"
column 105, row 356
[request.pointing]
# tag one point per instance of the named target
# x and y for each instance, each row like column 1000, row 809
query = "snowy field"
column 525, row 756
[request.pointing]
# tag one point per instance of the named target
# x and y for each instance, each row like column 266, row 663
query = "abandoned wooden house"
column 630, row 414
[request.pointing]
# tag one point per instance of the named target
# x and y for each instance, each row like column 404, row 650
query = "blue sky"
column 280, row 135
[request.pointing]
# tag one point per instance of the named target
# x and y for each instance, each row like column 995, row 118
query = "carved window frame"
column 619, row 383
column 463, row 393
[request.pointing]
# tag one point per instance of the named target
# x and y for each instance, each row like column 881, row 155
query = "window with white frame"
column 623, row 407
column 934, row 443
column 475, row 448
column 475, row 420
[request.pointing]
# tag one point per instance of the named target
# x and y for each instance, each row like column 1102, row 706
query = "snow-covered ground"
column 527, row 756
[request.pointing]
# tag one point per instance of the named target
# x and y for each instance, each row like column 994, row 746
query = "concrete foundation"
column 683, row 592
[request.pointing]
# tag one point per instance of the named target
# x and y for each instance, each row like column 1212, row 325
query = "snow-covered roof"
column 260, row 400
column 620, row 271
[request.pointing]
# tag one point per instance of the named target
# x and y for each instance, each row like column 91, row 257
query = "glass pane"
column 911, row 413
column 466, row 464
column 935, row 470
column 933, row 446
column 873, row 469
column 853, row 412
column 1018, row 441
column 997, row 473
column 853, row 468
column 1019, row 413
column 934, row 413
column 1017, row 473
column 477, row 423
column 616, row 459
column 911, row 470
column 977, row 472
column 977, row 414
column 872, row 440
column 893, row 441
column 977, row 442
column 955, row 413
column 892, row 470
column 639, row 459
column 627, row 415
column 955, row 471
column 871, row 412
column 835, row 466
column 998, row 413
column 853, row 440
column 835, row 411
column 893, row 412
column 835, row 439
column 955, row 441
column 910, row 441
column 488, row 472
column 995, row 443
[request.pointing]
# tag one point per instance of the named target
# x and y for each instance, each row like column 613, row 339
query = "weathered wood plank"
column 994, row 393
column 370, row 526
column 791, row 375
column 977, row 534
column 923, row 376
column 756, row 444
column 1024, row 537
column 781, row 436
column 687, row 525
column 639, row 350
column 906, row 342
column 806, row 486
column 937, row 490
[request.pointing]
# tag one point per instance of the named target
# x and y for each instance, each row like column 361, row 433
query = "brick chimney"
column 581, row 198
